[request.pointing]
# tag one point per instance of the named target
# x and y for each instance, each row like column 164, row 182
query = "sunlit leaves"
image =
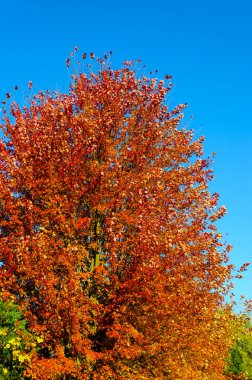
column 17, row 344
column 107, row 230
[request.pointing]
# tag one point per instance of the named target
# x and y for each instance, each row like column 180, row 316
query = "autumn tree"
column 108, row 239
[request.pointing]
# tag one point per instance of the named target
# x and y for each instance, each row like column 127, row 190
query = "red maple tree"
column 107, row 233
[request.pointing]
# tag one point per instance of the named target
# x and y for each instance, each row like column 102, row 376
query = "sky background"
column 205, row 45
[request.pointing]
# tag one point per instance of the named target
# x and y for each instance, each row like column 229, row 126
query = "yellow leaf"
column 21, row 358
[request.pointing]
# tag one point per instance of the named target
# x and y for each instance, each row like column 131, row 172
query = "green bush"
column 16, row 342
column 240, row 361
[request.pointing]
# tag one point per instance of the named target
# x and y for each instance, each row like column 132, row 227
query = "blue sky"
column 205, row 45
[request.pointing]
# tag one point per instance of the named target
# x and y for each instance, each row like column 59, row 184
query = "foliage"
column 16, row 342
column 240, row 359
column 108, row 238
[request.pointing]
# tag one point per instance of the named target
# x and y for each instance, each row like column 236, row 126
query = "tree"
column 240, row 359
column 107, row 233
column 16, row 342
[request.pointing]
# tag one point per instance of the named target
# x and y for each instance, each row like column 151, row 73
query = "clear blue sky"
column 205, row 45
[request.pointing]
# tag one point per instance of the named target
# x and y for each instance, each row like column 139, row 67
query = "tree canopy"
column 108, row 237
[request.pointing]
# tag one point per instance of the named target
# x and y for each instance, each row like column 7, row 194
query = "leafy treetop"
column 108, row 236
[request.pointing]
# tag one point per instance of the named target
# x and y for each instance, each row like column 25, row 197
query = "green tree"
column 16, row 342
column 240, row 359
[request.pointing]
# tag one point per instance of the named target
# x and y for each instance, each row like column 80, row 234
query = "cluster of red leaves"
column 107, row 235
